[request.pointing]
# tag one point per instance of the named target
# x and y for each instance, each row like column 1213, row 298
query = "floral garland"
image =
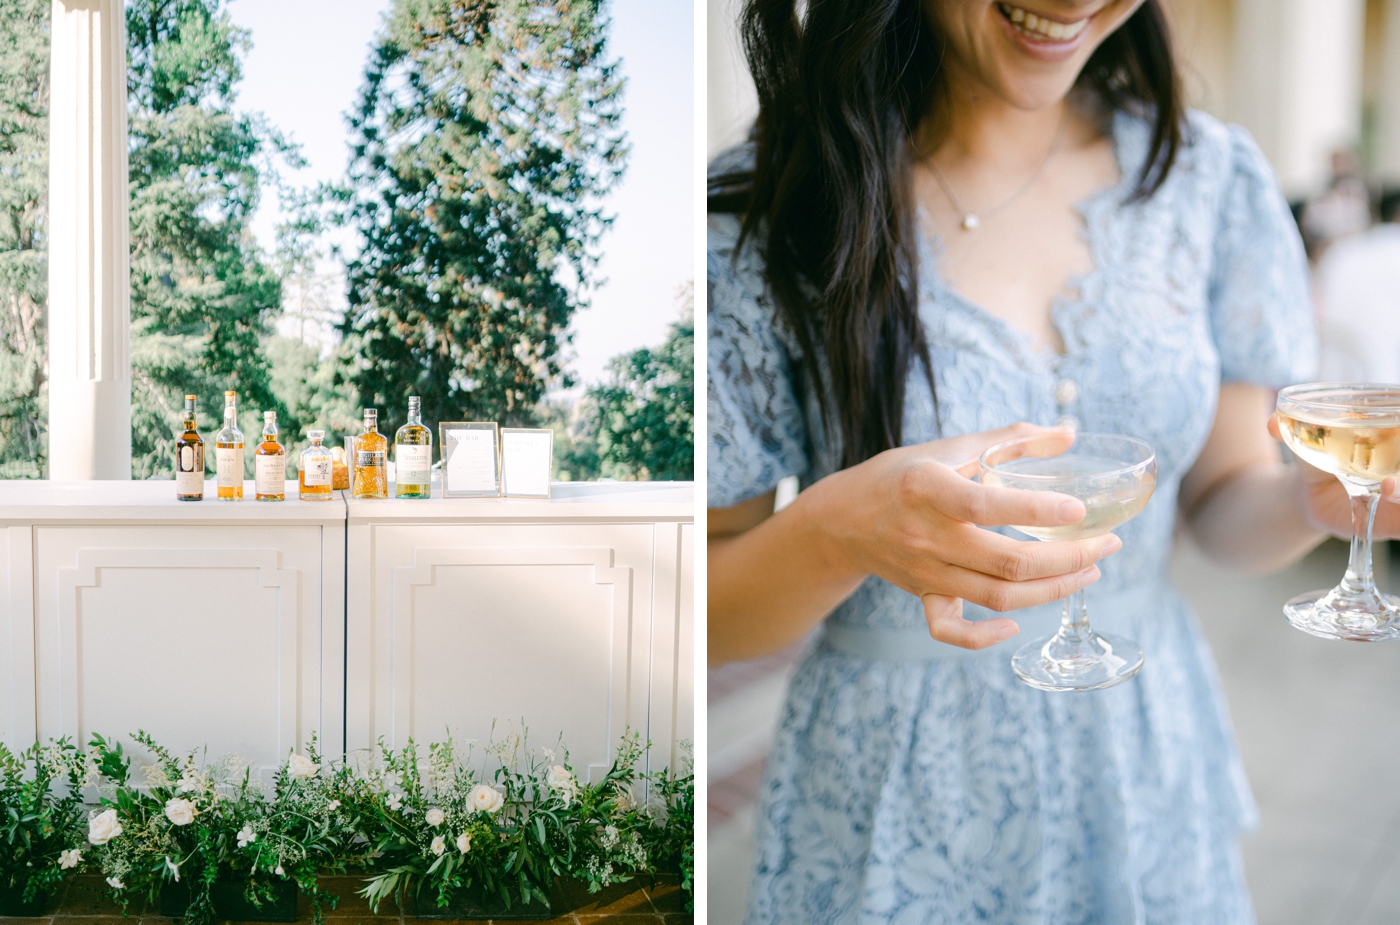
column 425, row 827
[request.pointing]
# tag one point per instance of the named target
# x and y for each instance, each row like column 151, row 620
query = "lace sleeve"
column 756, row 430
column 1261, row 311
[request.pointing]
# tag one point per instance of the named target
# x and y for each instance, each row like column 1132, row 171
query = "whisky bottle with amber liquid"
column 228, row 453
column 413, row 456
column 189, row 458
column 270, row 463
column 371, row 476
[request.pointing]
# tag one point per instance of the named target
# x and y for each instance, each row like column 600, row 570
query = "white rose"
column 439, row 844
column 302, row 767
column 464, row 843
column 436, row 817
column 179, row 811
column 485, row 799
column 103, row 827
column 67, row 860
column 246, row 835
column 561, row 781
column 115, row 884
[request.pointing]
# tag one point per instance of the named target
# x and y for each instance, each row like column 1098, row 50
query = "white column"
column 89, row 274
column 1297, row 77
column 731, row 98
column 1388, row 99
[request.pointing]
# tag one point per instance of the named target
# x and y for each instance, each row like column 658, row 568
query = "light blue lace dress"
column 935, row 787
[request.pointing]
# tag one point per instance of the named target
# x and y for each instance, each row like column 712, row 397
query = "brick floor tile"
column 667, row 897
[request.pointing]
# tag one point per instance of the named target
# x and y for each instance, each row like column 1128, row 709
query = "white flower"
column 246, row 835
column 279, row 871
column 180, row 812
column 561, row 781
column 174, row 868
column 67, row 860
column 464, row 843
column 334, row 804
column 439, row 844
column 302, row 767
column 436, row 817
column 485, row 799
column 395, row 801
column 609, row 836
column 115, row 884
column 103, row 827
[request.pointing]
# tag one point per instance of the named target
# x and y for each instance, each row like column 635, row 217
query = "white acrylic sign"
column 469, row 460
column 527, row 462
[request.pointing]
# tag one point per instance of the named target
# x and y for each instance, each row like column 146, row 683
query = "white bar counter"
column 248, row 626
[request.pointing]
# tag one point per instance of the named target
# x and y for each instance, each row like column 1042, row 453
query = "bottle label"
column 189, row 483
column 413, row 464
column 228, row 461
column 316, row 472
column 270, row 474
column 369, row 458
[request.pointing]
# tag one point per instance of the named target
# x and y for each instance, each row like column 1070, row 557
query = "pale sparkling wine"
column 1110, row 501
column 1345, row 443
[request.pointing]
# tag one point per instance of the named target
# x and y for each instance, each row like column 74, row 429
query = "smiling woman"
column 959, row 222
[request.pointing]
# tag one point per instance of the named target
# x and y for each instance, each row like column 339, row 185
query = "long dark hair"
column 840, row 95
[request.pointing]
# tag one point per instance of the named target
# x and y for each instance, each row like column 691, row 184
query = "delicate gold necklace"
column 971, row 220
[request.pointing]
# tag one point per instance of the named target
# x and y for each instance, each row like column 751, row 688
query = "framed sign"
column 470, row 459
column 527, row 462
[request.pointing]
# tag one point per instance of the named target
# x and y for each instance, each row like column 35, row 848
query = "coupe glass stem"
column 1074, row 623
column 1358, row 581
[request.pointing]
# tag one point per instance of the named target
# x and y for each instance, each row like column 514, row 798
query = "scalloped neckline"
column 1066, row 314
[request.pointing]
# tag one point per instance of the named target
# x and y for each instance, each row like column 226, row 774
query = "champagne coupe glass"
column 1114, row 476
column 1351, row 430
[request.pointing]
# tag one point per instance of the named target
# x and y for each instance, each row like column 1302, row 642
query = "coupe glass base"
column 1112, row 660
column 1322, row 614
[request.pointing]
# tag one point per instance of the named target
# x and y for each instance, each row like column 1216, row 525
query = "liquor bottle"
column 189, row 458
column 315, row 469
column 413, row 456
column 371, row 460
column 228, row 453
column 270, row 463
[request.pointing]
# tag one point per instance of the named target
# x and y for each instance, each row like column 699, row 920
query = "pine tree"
column 486, row 136
column 202, row 294
column 24, row 168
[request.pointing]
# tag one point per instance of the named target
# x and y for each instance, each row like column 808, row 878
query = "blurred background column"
column 732, row 101
column 1297, row 70
column 1384, row 82
column 89, row 276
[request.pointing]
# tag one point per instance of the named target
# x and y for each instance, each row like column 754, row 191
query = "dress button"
column 1066, row 392
column 1067, row 420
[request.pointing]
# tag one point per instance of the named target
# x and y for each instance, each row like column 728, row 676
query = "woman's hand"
column 1328, row 506
column 912, row 516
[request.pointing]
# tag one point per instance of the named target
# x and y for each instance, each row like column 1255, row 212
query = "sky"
column 303, row 72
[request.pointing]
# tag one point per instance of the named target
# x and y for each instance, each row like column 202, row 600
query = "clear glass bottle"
column 189, row 458
column 413, row 456
column 228, row 453
column 270, row 463
column 315, row 469
column 371, row 477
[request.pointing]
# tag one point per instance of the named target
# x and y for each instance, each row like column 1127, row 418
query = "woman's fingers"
column 1001, row 595
column 993, row 506
column 1015, row 560
column 946, row 624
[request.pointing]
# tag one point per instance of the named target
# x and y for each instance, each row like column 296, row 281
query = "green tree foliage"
column 24, row 169
column 639, row 424
column 202, row 294
column 486, row 134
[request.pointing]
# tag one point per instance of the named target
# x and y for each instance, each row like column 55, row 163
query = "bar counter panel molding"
column 246, row 627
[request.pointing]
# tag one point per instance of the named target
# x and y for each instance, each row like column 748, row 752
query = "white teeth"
column 1040, row 27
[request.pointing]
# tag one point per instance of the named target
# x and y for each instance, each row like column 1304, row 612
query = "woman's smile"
column 1039, row 27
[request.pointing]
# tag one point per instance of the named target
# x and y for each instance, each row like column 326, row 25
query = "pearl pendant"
column 970, row 222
